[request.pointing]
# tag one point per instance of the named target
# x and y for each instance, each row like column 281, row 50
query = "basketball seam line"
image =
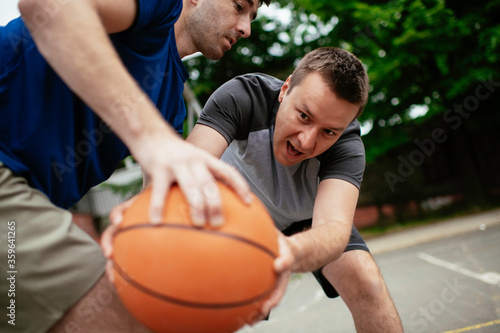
column 188, row 303
column 218, row 233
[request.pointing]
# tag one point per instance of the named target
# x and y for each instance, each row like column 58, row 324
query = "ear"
column 284, row 89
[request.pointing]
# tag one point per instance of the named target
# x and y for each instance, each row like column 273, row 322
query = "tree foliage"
column 427, row 53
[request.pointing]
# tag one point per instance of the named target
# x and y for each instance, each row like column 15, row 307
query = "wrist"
column 297, row 249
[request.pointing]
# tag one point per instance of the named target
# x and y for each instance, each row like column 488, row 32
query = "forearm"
column 74, row 41
column 318, row 246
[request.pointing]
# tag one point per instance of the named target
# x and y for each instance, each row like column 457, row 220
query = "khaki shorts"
column 47, row 263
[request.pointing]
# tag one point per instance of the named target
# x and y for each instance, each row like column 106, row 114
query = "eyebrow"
column 310, row 115
column 252, row 3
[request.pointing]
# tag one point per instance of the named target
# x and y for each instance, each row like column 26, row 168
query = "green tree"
column 427, row 53
column 418, row 52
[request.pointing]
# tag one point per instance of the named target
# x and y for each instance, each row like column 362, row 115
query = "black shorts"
column 356, row 242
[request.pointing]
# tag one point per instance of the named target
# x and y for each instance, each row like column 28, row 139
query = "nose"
column 307, row 138
column 244, row 27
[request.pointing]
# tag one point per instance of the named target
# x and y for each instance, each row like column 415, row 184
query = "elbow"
column 37, row 13
column 34, row 14
column 27, row 7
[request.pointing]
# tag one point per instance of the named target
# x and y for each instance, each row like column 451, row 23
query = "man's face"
column 215, row 25
column 310, row 120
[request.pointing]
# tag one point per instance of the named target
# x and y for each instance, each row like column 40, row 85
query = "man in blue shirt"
column 84, row 84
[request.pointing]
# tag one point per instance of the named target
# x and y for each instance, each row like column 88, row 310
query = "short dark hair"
column 341, row 70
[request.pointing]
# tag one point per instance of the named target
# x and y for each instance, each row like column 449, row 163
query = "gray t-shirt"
column 243, row 110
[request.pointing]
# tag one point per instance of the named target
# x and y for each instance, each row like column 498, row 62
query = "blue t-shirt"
column 49, row 136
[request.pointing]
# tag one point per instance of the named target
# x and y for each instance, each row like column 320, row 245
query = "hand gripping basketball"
column 175, row 277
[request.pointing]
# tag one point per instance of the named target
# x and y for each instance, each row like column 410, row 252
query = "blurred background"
column 431, row 127
column 432, row 138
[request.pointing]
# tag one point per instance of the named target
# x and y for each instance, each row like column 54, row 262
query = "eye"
column 329, row 132
column 238, row 6
column 303, row 115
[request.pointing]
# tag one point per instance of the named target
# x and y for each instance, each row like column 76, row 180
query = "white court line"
column 492, row 278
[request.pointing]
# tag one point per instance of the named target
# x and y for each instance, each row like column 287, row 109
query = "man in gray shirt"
column 298, row 145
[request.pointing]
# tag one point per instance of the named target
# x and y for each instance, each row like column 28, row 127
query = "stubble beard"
column 202, row 31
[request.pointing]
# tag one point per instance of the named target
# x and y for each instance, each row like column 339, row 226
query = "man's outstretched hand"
column 283, row 268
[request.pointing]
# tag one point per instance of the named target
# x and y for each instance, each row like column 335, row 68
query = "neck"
column 184, row 43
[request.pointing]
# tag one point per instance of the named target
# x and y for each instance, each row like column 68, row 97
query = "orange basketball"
column 174, row 277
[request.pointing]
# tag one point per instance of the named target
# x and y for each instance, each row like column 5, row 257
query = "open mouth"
column 291, row 149
column 231, row 41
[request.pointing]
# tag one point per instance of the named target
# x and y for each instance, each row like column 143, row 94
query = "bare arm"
column 208, row 139
column 332, row 222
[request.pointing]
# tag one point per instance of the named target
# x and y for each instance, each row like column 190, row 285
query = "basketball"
column 175, row 277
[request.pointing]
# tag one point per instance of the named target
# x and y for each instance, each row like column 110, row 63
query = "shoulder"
column 349, row 143
column 154, row 16
column 264, row 81
column 256, row 94
column 255, row 85
column 346, row 158
column 242, row 105
column 247, row 93
column 353, row 130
